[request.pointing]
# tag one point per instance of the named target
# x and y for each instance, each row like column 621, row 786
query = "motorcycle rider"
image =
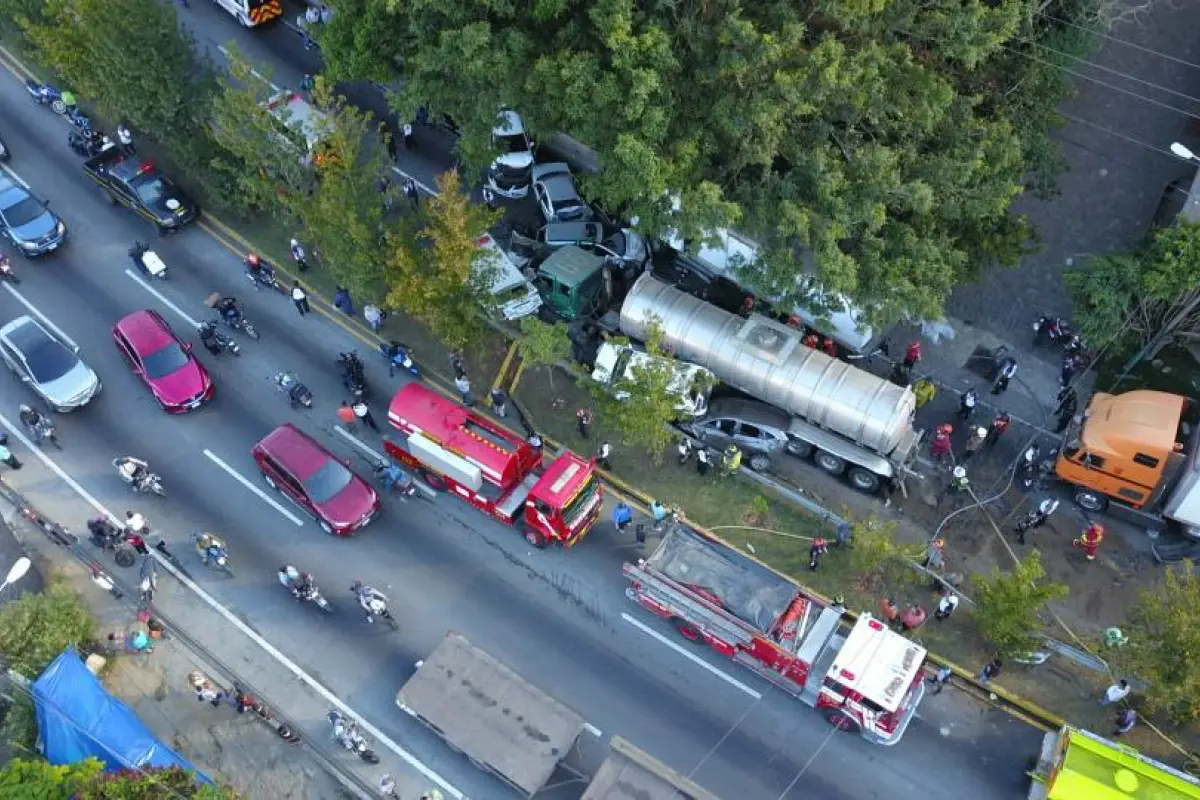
column 258, row 269
column 390, row 474
column 227, row 307
column 136, row 523
column 209, row 548
column 302, row 587
column 208, row 338
column 133, row 470
column 103, row 531
column 31, row 419
column 373, row 601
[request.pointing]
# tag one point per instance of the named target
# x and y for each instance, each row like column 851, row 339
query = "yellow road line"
column 15, row 67
column 508, row 357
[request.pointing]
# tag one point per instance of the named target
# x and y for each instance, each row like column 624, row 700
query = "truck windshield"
column 574, row 510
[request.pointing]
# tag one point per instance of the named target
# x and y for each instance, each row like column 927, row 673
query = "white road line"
column 162, row 298
column 244, row 482
column 420, row 185
column 593, row 730
column 223, row 50
column 40, row 315
column 13, row 174
column 251, row 634
column 646, row 629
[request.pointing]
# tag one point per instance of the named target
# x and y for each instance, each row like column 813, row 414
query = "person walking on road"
column 966, row 404
column 604, row 455
column 300, row 298
column 362, row 412
column 374, row 315
column 1008, row 371
column 912, row 354
column 409, row 144
column 1070, row 365
column 1090, row 540
column 702, row 461
column 464, row 389
column 1126, row 720
column 583, row 421
column 731, row 461
column 1116, row 693
column 891, row 612
column 924, row 390
column 946, row 606
column 346, row 416
column 939, row 679
column 999, row 425
column 499, row 402
column 974, row 443
column 6, row 455
column 1068, row 404
column 622, row 516
column 1036, row 518
column 935, row 556
column 387, row 787
column 342, row 301
column 412, row 193
column 816, row 551
column 125, row 139
column 941, row 449
column 456, row 363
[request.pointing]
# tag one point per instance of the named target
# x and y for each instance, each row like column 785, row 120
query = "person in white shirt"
column 946, row 606
column 300, row 298
column 1116, row 693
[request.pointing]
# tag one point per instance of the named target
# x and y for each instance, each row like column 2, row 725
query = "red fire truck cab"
column 869, row 679
column 454, row 449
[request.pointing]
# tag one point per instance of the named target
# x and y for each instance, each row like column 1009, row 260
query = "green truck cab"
column 572, row 283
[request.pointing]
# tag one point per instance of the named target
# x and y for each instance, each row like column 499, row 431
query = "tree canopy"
column 1007, row 605
column 86, row 780
column 879, row 143
column 1163, row 642
column 1129, row 300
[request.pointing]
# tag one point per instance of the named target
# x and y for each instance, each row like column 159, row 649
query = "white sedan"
column 617, row 362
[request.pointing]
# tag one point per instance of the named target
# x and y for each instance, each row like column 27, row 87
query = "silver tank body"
column 766, row 359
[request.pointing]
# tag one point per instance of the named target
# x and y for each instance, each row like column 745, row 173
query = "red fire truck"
column 869, row 679
column 455, row 449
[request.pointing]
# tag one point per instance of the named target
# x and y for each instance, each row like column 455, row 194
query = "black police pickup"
column 135, row 183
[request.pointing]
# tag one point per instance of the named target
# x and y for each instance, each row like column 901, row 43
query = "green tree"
column 642, row 400
column 1007, row 605
column 544, row 344
column 1163, row 636
column 443, row 280
column 879, row 563
column 86, row 780
column 264, row 157
column 884, row 141
column 1149, row 297
column 36, row 628
column 350, row 42
column 130, row 57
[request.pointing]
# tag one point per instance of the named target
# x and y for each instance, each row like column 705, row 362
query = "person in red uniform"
column 941, row 447
column 1090, row 540
column 912, row 355
column 830, row 347
column 812, row 340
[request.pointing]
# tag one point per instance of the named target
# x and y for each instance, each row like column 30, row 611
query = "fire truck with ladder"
column 867, row 680
column 454, row 449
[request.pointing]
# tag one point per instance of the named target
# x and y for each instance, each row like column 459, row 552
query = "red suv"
column 294, row 464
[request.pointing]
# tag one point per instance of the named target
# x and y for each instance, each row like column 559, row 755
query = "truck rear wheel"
column 864, row 480
column 686, row 629
column 1091, row 501
column 534, row 538
column 841, row 720
column 433, row 480
column 829, row 462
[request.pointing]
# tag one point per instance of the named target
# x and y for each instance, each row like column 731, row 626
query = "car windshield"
column 151, row 190
column 165, row 361
column 516, row 143
column 23, row 212
column 49, row 360
column 328, row 482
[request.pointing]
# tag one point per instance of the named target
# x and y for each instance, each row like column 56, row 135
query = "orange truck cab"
column 1133, row 455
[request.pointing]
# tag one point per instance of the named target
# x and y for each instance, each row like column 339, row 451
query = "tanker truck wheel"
column 829, row 462
column 841, row 720
column 864, row 480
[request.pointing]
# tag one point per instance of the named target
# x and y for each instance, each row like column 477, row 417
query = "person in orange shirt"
column 346, row 416
column 1090, row 540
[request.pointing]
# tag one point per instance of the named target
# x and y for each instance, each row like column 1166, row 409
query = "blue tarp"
column 79, row 719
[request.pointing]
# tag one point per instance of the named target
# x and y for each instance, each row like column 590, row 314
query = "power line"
column 1125, row 42
column 1112, row 71
column 1118, row 134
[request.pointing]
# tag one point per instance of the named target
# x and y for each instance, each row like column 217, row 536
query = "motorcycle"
column 399, row 356
column 6, row 269
column 146, row 482
column 123, row 546
column 264, row 276
column 240, row 323
column 353, row 376
column 1035, row 468
column 390, row 476
column 216, row 342
column 374, row 602
column 1055, row 329
column 347, row 735
column 43, row 430
column 45, row 94
column 88, row 144
column 147, row 261
column 298, row 394
column 217, row 555
column 291, row 577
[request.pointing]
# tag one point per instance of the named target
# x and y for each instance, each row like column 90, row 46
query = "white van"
column 734, row 251
column 692, row 383
column 306, row 123
column 514, row 295
column 511, row 172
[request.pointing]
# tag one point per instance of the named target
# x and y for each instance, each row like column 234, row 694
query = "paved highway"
column 559, row 619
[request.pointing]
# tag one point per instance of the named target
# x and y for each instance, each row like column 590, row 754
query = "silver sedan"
column 47, row 364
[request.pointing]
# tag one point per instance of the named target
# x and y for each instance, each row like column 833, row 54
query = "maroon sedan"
column 294, row 464
column 178, row 381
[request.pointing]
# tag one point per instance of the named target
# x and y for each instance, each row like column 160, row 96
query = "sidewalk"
column 238, row 749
